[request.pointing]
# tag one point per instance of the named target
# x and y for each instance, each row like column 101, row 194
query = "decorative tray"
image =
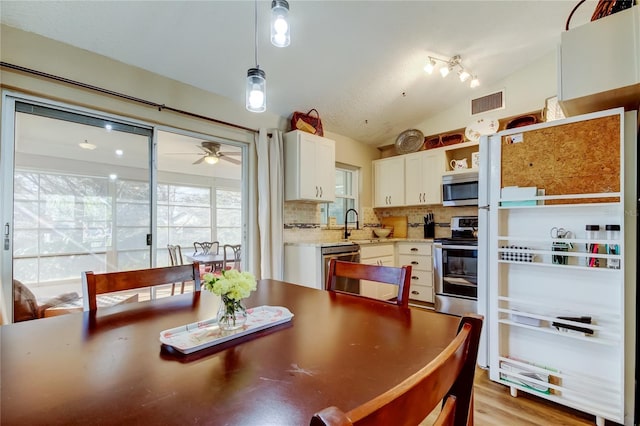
column 203, row 334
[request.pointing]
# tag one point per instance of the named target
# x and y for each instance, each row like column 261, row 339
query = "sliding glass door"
column 81, row 199
column 79, row 193
column 199, row 192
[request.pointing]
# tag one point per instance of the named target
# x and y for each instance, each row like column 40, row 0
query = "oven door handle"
column 454, row 247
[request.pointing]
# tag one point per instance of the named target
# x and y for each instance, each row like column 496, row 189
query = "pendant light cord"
column 255, row 31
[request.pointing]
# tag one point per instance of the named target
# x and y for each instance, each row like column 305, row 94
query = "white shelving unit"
column 536, row 303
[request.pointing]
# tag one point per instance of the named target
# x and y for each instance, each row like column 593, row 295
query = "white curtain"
column 270, row 203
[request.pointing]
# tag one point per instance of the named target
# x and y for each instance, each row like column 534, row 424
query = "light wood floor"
column 494, row 406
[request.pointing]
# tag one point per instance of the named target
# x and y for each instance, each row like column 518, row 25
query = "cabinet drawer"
column 421, row 278
column 375, row 250
column 415, row 248
column 422, row 263
column 421, row 292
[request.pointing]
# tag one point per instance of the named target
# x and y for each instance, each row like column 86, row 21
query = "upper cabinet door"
column 423, row 171
column 309, row 167
column 389, row 181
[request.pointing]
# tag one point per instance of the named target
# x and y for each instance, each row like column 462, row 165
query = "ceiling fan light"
column 474, row 82
column 87, row 145
column 444, row 71
column 211, row 159
column 463, row 75
column 280, row 33
column 256, row 94
column 430, row 66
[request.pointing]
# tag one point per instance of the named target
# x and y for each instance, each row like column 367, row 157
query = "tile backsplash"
column 302, row 221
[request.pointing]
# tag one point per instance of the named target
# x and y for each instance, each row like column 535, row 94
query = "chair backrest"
column 94, row 284
column 400, row 276
column 232, row 256
column 206, row 247
column 449, row 374
column 175, row 254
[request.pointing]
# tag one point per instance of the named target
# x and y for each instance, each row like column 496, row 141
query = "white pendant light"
column 280, row 30
column 256, row 90
column 256, row 98
column 474, row 82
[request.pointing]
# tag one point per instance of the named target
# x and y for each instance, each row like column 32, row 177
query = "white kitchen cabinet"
column 309, row 167
column 303, row 265
column 599, row 64
column 419, row 256
column 388, row 181
column 558, row 321
column 423, row 177
column 383, row 255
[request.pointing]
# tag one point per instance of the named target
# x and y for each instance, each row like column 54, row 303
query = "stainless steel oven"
column 349, row 252
column 456, row 268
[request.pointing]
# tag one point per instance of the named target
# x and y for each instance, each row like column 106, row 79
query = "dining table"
column 215, row 259
column 108, row 366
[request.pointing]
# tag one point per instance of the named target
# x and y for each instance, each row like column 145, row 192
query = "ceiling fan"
column 211, row 154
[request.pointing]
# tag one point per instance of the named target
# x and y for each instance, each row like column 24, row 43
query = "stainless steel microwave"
column 460, row 189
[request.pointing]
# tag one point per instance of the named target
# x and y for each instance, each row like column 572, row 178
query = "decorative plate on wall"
column 409, row 141
column 482, row 126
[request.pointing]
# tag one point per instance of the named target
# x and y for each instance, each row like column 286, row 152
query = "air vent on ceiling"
column 486, row 103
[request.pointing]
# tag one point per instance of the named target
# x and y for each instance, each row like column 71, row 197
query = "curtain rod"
column 122, row 96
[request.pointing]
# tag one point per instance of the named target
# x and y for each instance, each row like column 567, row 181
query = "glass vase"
column 231, row 314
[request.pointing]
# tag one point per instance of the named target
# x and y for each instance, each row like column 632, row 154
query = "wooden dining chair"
column 448, row 378
column 175, row 258
column 109, row 282
column 231, row 256
column 400, row 276
column 206, row 247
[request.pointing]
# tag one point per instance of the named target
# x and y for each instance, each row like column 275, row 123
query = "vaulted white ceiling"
column 360, row 63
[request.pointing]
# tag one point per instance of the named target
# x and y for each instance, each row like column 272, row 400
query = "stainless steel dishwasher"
column 346, row 251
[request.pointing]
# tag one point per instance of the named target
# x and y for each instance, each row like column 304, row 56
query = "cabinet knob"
column 413, row 262
column 415, row 292
column 316, row 192
column 414, row 249
column 320, row 192
column 414, row 278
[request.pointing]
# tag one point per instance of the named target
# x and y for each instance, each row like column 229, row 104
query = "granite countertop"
column 359, row 241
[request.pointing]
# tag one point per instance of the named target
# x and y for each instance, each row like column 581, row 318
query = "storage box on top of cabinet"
column 309, row 167
column 599, row 64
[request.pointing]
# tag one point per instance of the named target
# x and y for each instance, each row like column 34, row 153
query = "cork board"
column 575, row 158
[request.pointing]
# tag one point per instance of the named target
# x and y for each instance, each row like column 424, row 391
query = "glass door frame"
column 7, row 165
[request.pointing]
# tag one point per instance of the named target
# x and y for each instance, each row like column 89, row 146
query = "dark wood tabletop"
column 109, row 367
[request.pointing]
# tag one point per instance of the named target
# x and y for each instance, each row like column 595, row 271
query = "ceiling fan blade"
column 182, row 153
column 205, row 150
column 230, row 153
column 230, row 160
column 199, row 160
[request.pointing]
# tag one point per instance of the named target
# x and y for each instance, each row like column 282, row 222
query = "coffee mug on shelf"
column 458, row 164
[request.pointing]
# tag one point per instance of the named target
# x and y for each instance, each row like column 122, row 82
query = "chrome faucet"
column 346, row 215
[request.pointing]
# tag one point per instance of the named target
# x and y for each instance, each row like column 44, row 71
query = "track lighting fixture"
column 450, row 65
column 280, row 34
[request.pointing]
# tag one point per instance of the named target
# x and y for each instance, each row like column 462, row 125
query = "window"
column 229, row 216
column 346, row 196
column 184, row 216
